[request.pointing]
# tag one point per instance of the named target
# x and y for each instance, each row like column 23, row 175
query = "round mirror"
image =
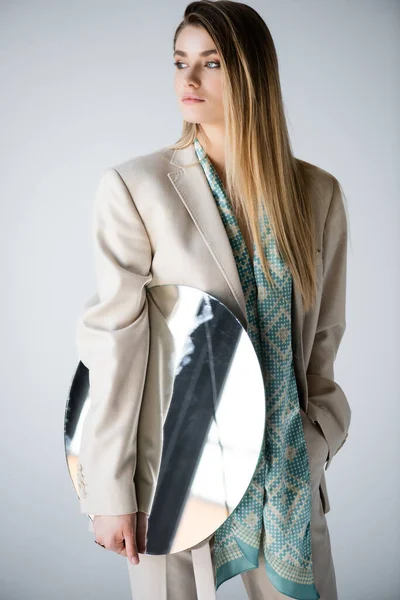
column 214, row 423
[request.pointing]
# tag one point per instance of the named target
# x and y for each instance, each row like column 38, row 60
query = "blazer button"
column 81, row 482
column 82, row 491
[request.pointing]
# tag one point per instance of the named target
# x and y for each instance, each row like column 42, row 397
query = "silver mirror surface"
column 214, row 415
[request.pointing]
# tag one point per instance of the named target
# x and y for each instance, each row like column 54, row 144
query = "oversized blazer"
column 155, row 221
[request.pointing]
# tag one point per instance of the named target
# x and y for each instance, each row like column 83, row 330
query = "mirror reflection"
column 214, row 417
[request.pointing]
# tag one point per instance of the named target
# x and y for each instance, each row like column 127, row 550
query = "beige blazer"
column 155, row 221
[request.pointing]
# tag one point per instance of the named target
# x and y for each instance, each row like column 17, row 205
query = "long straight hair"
column 262, row 174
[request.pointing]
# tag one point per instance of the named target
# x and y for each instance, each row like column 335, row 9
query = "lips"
column 194, row 98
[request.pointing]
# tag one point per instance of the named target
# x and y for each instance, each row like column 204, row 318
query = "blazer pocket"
column 313, row 426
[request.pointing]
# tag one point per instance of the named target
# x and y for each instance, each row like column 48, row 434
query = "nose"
column 190, row 79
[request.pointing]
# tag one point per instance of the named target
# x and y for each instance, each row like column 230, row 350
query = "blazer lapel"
column 192, row 187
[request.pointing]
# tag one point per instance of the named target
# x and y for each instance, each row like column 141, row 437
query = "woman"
column 230, row 210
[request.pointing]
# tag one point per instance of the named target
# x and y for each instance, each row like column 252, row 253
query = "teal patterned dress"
column 275, row 511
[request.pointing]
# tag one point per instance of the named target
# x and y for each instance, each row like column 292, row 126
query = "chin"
column 190, row 119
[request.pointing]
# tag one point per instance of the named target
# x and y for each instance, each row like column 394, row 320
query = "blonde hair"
column 261, row 171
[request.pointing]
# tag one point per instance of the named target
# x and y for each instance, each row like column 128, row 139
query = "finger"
column 118, row 545
column 130, row 542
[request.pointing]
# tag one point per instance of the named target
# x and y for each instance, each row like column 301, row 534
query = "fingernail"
column 134, row 560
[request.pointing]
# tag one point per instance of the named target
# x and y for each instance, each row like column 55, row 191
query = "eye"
column 177, row 63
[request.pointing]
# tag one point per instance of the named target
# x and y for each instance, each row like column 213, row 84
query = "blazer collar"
column 192, row 187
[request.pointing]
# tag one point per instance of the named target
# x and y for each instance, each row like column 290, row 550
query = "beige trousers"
column 189, row 575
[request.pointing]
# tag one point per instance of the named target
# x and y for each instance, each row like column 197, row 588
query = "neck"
column 212, row 140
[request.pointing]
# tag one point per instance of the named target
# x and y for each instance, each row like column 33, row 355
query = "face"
column 198, row 72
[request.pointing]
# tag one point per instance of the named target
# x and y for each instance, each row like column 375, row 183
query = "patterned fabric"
column 275, row 511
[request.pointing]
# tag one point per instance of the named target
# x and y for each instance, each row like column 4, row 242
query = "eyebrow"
column 205, row 53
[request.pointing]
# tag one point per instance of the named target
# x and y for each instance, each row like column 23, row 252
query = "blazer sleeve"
column 113, row 342
column 327, row 402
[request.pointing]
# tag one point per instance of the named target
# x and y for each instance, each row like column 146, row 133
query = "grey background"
column 87, row 84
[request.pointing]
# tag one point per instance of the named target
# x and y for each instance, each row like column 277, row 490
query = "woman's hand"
column 123, row 534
